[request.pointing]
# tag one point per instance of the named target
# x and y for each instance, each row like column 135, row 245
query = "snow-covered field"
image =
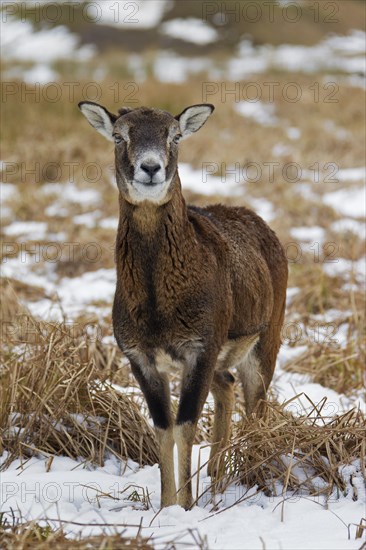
column 69, row 492
column 87, row 499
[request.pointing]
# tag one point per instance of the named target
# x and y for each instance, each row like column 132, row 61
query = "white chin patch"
column 154, row 193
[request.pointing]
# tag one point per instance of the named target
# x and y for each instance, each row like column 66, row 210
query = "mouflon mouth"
column 142, row 191
column 148, row 183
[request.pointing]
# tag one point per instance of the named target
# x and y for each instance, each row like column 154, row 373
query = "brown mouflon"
column 200, row 289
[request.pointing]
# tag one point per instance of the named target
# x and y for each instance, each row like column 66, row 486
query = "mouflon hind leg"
column 222, row 389
column 256, row 370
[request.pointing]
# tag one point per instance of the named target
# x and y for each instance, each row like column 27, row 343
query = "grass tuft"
column 55, row 398
column 281, row 452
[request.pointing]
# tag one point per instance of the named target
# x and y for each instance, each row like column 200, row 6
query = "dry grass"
column 281, row 452
column 55, row 398
column 22, row 535
column 245, row 142
column 32, row 536
column 341, row 369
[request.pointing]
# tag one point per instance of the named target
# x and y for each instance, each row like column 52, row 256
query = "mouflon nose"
column 150, row 168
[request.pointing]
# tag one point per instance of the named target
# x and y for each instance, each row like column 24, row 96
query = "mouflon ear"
column 98, row 116
column 193, row 118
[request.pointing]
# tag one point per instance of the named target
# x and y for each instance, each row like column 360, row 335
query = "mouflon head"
column 146, row 146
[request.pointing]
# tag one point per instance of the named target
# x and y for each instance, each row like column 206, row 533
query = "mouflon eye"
column 117, row 139
column 177, row 138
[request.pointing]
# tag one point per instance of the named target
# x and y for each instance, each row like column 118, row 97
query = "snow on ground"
column 72, row 491
column 19, row 41
column 347, row 268
column 251, row 60
column 293, row 133
column 349, row 202
column 27, row 268
column 33, row 230
column 308, row 234
column 69, row 192
column 204, row 182
column 91, row 286
column 170, row 67
column 74, row 294
column 109, row 223
column 230, row 183
column 352, row 174
column 190, row 30
column 287, row 385
column 135, row 15
column 89, row 219
column 262, row 113
column 7, row 190
column 262, row 207
column 336, row 53
column 347, row 224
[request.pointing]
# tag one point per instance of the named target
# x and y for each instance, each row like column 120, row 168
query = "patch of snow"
column 136, row 15
column 46, row 310
column 347, row 268
column 326, row 55
column 339, row 133
column 352, row 174
column 56, row 210
column 94, row 496
column 336, row 53
column 332, row 314
column 190, row 29
column 75, row 293
column 40, row 73
column 354, row 43
column 260, row 112
column 281, row 150
column 348, row 225
column 287, row 385
column 204, row 183
column 6, row 212
column 24, row 268
column 305, row 190
column 308, row 234
column 354, row 81
column 7, row 191
column 109, row 223
column 172, row 68
column 293, row 133
column 288, row 353
column 21, row 42
column 89, row 219
column 136, row 67
column 291, row 293
column 33, row 230
column 68, row 192
column 262, row 207
column 349, row 202
column 250, row 60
